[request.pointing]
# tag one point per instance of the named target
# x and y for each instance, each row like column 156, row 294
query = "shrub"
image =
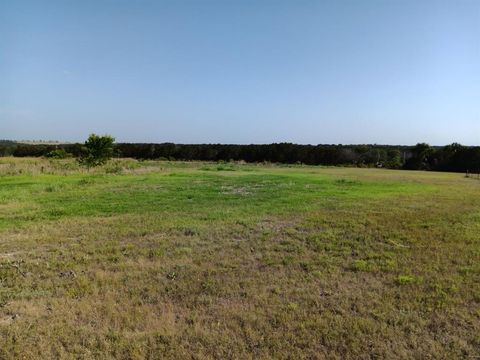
column 58, row 154
column 97, row 150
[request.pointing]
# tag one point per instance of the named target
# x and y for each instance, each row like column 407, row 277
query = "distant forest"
column 454, row 157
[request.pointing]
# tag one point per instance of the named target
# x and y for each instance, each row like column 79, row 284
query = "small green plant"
column 406, row 279
column 360, row 265
column 291, row 306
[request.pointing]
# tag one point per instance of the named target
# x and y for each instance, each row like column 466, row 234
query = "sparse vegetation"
column 160, row 259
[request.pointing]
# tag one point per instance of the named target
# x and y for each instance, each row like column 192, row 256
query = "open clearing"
column 228, row 261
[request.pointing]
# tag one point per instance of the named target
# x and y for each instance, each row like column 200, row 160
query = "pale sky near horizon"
column 241, row 71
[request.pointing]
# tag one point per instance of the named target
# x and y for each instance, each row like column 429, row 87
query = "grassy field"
column 230, row 261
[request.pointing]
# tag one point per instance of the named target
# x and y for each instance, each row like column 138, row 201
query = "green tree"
column 394, row 159
column 97, row 150
column 422, row 157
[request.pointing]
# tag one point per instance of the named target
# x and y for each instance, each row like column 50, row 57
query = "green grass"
column 202, row 260
column 51, row 197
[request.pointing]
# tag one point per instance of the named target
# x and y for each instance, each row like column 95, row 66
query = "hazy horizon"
column 241, row 72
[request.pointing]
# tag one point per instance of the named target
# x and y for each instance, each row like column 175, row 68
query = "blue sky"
column 241, row 71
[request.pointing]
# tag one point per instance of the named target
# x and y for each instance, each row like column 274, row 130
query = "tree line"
column 454, row 157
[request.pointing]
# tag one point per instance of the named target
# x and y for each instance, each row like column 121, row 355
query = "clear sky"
column 241, row 71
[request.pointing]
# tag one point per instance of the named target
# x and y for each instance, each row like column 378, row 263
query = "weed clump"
column 406, row 280
column 361, row 265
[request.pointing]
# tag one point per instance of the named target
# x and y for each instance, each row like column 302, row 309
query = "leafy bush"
column 58, row 154
column 97, row 150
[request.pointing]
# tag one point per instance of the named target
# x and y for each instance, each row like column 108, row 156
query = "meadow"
column 197, row 260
